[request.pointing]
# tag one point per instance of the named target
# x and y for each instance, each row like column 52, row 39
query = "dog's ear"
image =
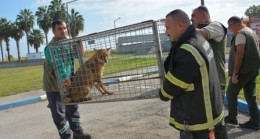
column 95, row 49
column 108, row 49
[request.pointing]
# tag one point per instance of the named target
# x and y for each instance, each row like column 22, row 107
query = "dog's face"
column 102, row 54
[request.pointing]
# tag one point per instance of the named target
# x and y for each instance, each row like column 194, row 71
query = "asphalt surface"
column 136, row 119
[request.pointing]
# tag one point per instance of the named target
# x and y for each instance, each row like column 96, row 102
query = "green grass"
column 124, row 64
column 18, row 80
column 23, row 79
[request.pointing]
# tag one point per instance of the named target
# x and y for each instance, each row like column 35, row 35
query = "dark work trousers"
column 220, row 128
column 65, row 117
column 197, row 135
column 247, row 82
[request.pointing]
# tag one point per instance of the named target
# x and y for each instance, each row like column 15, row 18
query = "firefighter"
column 191, row 82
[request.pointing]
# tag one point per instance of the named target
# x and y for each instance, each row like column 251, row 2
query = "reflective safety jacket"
column 192, row 84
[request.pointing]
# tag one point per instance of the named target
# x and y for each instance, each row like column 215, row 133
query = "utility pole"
column 115, row 27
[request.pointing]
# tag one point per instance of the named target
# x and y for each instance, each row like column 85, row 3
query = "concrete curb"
column 22, row 102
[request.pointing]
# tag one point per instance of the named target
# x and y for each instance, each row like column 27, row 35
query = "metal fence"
column 134, row 69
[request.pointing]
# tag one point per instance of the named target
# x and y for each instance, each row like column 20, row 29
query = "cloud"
column 39, row 3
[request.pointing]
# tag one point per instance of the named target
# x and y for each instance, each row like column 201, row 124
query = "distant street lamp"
column 202, row 2
column 115, row 27
column 68, row 26
column 115, row 21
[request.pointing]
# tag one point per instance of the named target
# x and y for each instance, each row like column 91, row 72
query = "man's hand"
column 81, row 47
column 67, row 83
column 234, row 79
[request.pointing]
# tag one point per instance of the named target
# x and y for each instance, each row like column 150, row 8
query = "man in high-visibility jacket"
column 191, row 82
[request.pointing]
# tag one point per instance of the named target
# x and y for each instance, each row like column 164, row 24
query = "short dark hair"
column 179, row 15
column 235, row 19
column 203, row 8
column 57, row 22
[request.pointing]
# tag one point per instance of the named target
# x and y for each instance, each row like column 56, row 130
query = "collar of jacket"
column 200, row 26
column 189, row 33
column 55, row 40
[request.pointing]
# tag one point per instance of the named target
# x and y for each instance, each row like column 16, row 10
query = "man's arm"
column 214, row 31
column 203, row 32
column 239, row 57
column 48, row 55
column 179, row 79
column 81, row 48
column 240, row 42
column 240, row 49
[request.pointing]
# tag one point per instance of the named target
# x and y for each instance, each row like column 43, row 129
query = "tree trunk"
column 2, row 52
column 18, row 50
column 27, row 43
column 8, row 49
column 46, row 37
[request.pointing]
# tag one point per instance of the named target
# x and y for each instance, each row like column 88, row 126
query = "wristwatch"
column 235, row 73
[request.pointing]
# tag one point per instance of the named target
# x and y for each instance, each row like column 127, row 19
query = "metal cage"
column 134, row 69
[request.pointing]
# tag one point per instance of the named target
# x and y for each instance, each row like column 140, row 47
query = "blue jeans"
column 198, row 135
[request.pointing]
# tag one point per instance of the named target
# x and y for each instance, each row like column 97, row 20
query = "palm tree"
column 6, row 33
column 76, row 23
column 25, row 21
column 36, row 38
column 17, row 34
column 44, row 20
column 2, row 21
column 58, row 10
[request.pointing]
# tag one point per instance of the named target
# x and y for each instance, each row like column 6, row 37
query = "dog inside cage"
column 122, row 62
column 88, row 74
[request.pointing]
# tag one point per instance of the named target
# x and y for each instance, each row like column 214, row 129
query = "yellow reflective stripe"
column 190, row 87
column 174, row 80
column 209, row 125
column 204, row 78
column 65, row 128
column 166, row 94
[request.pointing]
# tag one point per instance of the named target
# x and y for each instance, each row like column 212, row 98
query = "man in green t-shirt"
column 65, row 117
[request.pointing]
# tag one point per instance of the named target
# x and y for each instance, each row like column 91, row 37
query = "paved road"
column 137, row 119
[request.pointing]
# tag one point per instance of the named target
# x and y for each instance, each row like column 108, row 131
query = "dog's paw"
column 66, row 100
column 87, row 98
column 110, row 93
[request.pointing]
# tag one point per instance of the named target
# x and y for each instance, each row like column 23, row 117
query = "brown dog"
column 87, row 75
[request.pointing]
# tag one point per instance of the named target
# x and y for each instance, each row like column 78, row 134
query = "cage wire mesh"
column 132, row 69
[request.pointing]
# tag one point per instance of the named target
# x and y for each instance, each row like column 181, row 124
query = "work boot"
column 229, row 120
column 81, row 136
column 251, row 125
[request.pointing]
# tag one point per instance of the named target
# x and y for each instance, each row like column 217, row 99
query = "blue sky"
column 99, row 15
